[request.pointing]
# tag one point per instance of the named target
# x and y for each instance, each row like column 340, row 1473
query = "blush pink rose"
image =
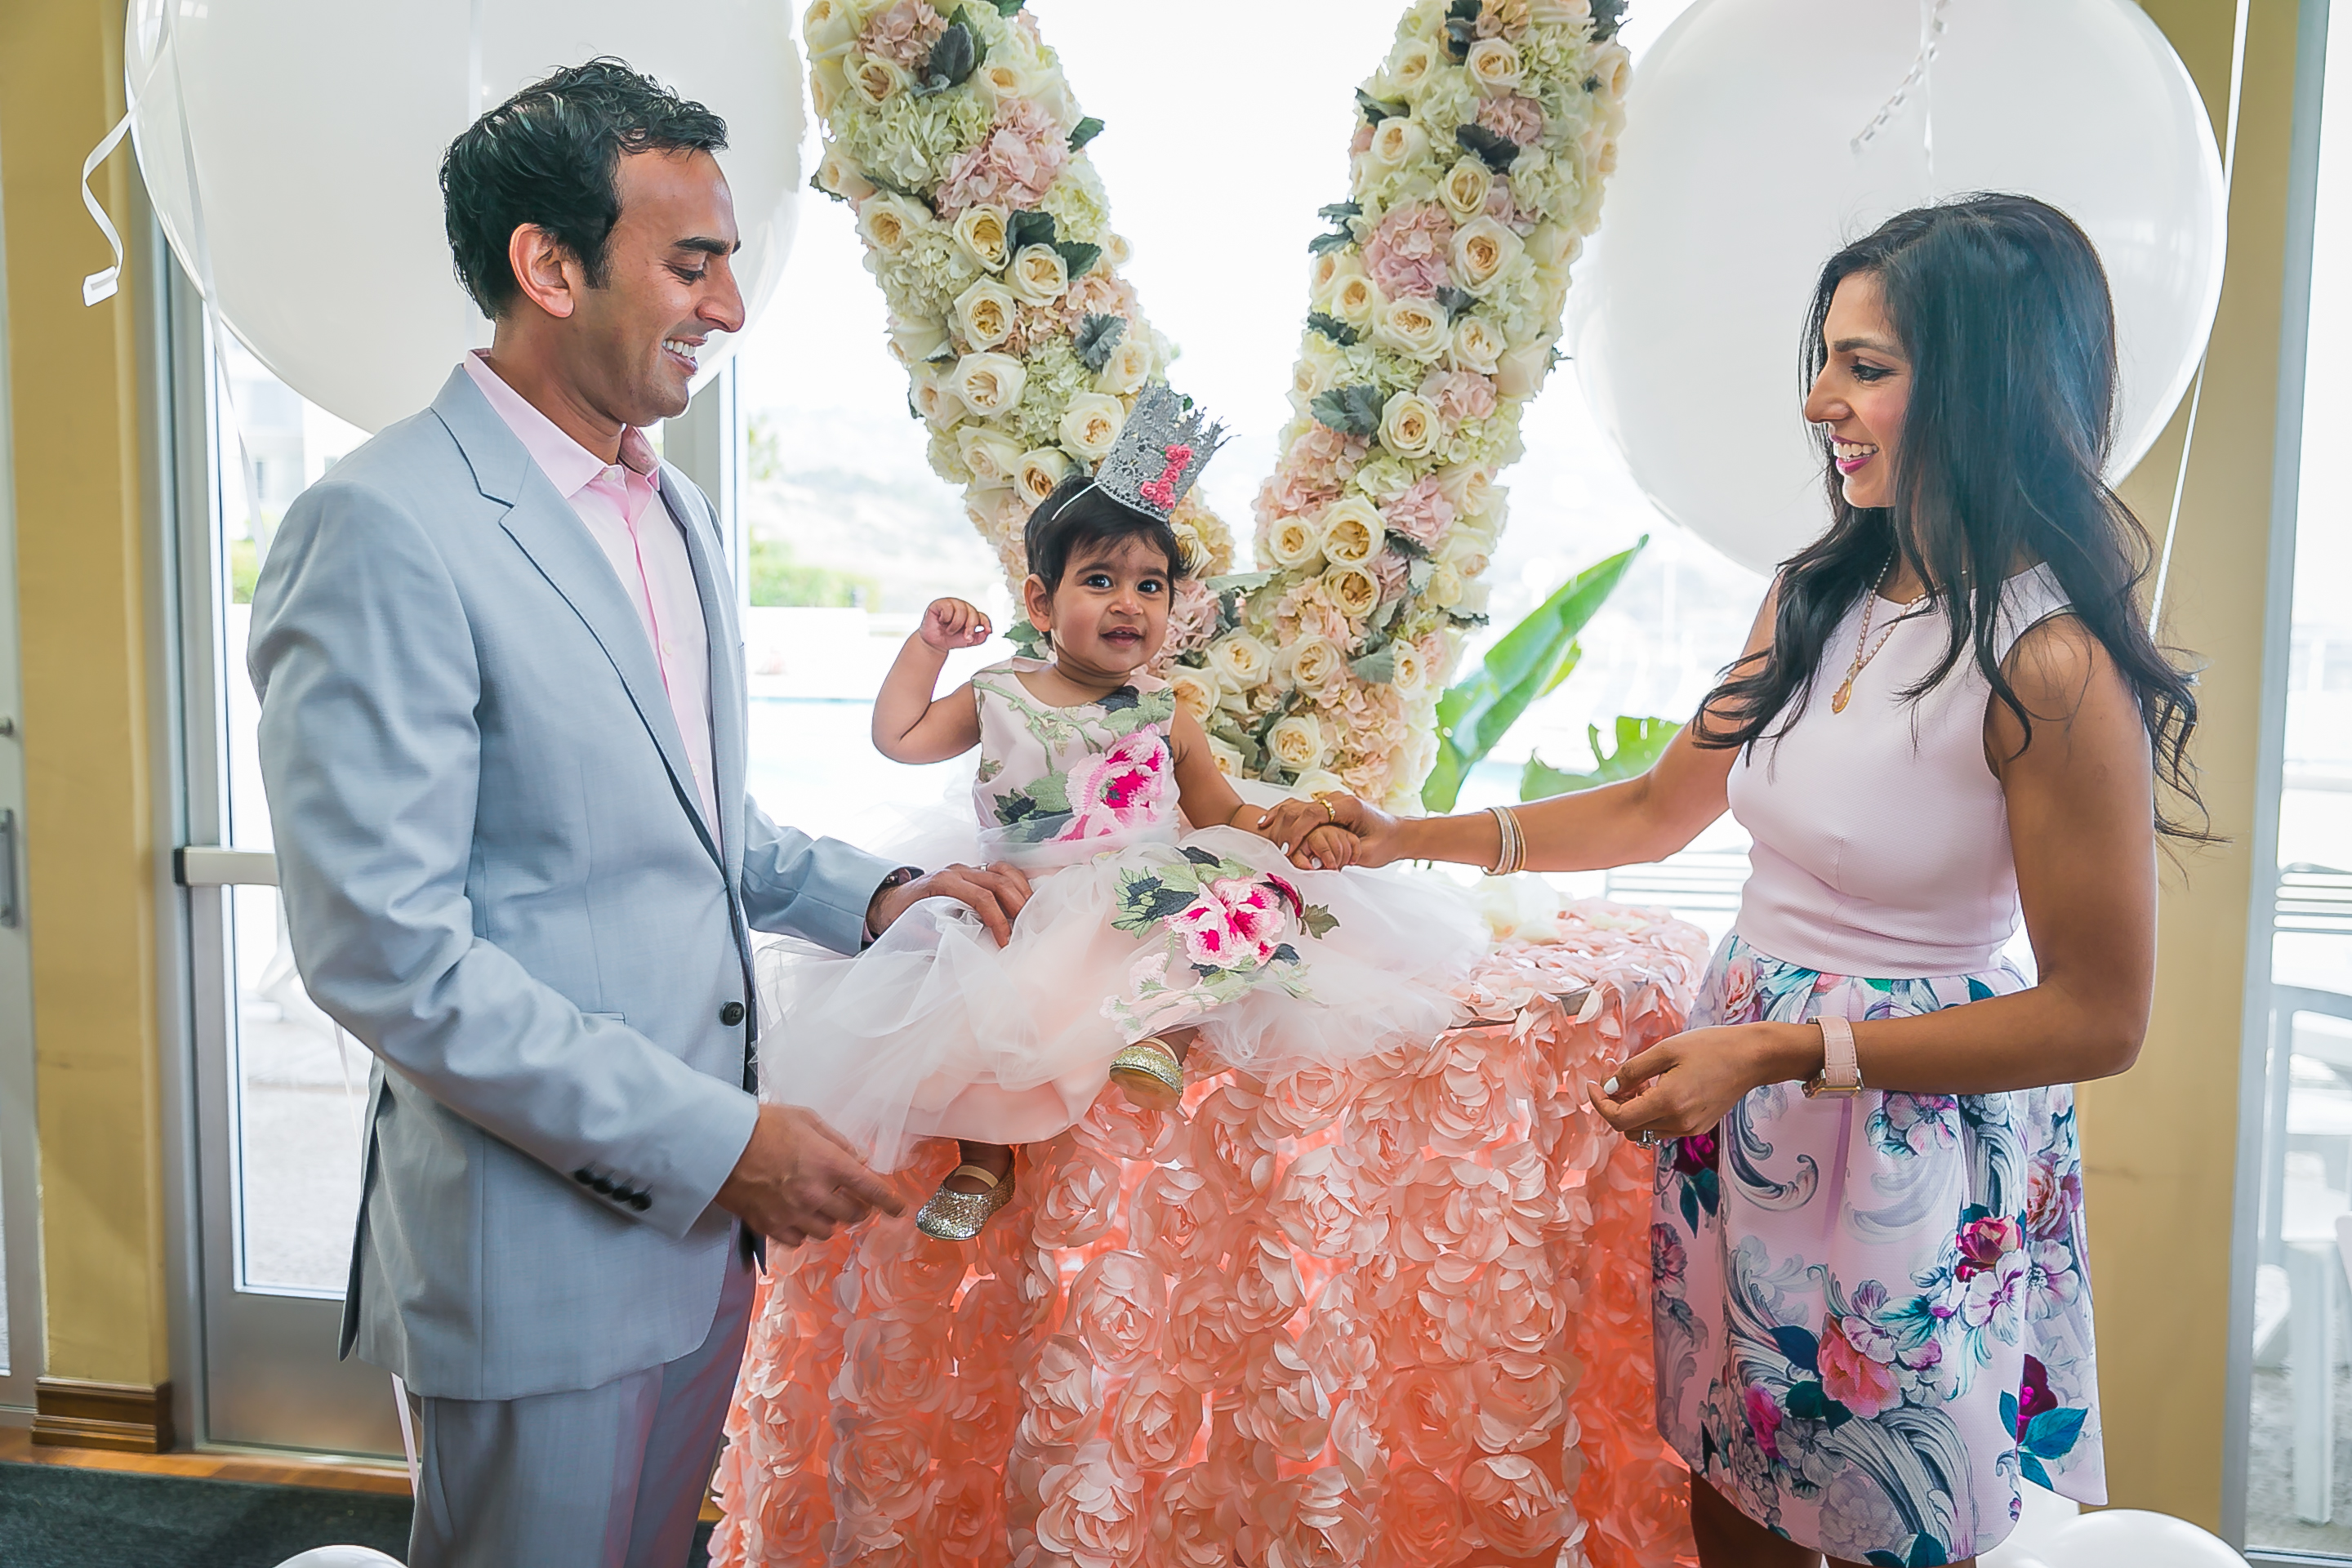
column 883, row 1472
column 1429, row 1413
column 1522, row 1400
column 1175, row 1219
column 1116, row 1307
column 1225, row 1146
column 1304, row 1100
column 1014, row 164
column 1190, row 1527
column 1282, row 1405
column 1267, row 1290
column 1318, row 1207
column 1059, row 1393
column 1421, row 1520
column 967, row 1510
column 895, row 1362
column 1207, row 1342
column 1862, row 1385
column 1092, row 1516
column 1410, row 251
column 1154, row 1421
column 1514, row 1505
column 1080, row 1200
column 1310, row 1521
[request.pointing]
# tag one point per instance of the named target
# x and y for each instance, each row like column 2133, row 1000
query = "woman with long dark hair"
column 1873, row 1320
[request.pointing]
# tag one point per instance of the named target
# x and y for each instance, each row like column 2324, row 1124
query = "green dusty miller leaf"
column 1324, row 244
column 1086, row 130
column 1457, row 301
column 1342, row 215
column 1027, row 228
column 1008, row 7
column 1494, row 149
column 1239, row 583
column 1339, row 212
column 1333, row 328
column 1097, row 336
column 1377, row 668
column 1351, row 410
column 1079, row 259
column 954, row 58
column 1608, row 16
column 1378, row 108
column 1406, row 545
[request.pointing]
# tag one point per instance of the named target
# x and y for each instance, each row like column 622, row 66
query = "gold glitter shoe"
column 1148, row 1074
column 951, row 1215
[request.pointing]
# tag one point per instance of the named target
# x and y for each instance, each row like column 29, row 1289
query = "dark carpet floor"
column 54, row 1517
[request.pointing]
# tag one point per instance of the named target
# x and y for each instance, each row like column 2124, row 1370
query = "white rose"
column 1316, row 664
column 983, row 313
column 916, row 342
column 1559, row 13
column 1128, row 367
column 1465, row 552
column 1192, row 548
column 828, row 85
column 1416, row 329
column 828, row 28
column 1475, row 594
column 1521, row 372
column 836, row 174
column 1292, row 543
column 1352, row 533
column 1318, row 368
column 1240, row 660
column 1324, row 270
column 1090, row 425
column 1408, row 425
column 980, row 232
column 1482, row 248
column 1317, row 781
column 1613, row 66
column 1494, row 64
column 876, row 82
column 1354, row 590
column 1118, row 252
column 993, row 459
column 1039, row 472
column 989, row 383
column 1408, row 671
column 935, row 397
column 1466, row 484
column 888, row 221
column 1356, row 300
column 1228, row 759
column 1477, row 345
column 1444, row 589
column 1396, row 143
column 1002, row 80
column 1297, row 742
column 1465, row 187
column 1410, row 64
column 1554, row 246
column 1039, row 275
column 1196, row 692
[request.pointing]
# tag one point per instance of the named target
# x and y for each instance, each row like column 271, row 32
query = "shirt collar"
column 569, row 465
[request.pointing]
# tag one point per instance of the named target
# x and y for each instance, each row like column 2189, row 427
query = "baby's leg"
column 996, row 1159
column 967, row 1201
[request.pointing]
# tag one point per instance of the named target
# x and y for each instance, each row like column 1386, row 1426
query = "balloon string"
column 2197, row 392
column 1931, row 43
column 101, row 285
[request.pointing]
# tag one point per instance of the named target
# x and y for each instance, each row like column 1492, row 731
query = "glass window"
column 2299, row 1474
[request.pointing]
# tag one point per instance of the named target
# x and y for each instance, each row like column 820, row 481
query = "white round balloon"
column 316, row 130
column 1738, row 178
column 2131, row 1538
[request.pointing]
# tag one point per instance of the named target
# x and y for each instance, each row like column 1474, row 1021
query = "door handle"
column 210, row 866
column 9, row 914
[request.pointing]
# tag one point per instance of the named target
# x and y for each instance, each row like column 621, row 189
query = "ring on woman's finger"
column 1647, row 1138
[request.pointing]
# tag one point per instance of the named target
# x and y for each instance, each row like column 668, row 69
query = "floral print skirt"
column 1872, row 1315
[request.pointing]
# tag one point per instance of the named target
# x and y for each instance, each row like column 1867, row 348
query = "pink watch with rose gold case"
column 1841, row 1074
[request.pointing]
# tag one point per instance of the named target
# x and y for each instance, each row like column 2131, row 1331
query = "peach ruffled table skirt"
column 1398, row 1317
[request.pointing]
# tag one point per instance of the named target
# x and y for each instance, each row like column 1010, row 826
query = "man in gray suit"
column 503, row 733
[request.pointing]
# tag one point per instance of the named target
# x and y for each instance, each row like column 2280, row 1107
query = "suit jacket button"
column 641, row 1202
column 603, row 1185
column 585, row 1176
column 731, row 1013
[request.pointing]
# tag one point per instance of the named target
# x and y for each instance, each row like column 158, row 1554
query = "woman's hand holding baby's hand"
column 1332, row 824
column 952, row 624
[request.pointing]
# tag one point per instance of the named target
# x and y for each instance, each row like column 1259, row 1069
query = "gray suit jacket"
column 497, row 876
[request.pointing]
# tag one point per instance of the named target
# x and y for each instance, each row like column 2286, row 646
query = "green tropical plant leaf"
column 1532, row 658
column 1640, row 744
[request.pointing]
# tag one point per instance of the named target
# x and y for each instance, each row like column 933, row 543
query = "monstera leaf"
column 1640, row 744
column 1531, row 660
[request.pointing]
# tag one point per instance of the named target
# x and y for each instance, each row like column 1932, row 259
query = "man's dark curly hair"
column 550, row 155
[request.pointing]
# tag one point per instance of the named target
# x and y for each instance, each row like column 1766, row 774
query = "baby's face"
column 1110, row 613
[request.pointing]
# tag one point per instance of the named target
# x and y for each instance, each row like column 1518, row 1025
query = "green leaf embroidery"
column 1319, row 921
column 1051, row 793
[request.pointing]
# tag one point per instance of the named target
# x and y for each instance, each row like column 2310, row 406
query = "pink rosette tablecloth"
column 1398, row 1317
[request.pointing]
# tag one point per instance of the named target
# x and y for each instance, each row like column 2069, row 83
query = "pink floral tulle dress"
column 1135, row 927
column 1873, row 1316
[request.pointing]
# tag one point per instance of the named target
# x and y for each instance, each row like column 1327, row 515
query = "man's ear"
column 545, row 270
column 1039, row 603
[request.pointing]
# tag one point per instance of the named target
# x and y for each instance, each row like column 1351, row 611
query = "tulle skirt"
column 936, row 1031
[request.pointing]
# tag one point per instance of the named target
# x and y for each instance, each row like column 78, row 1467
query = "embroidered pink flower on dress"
column 1233, row 924
column 1410, row 253
column 1014, row 165
column 903, row 34
column 1126, row 786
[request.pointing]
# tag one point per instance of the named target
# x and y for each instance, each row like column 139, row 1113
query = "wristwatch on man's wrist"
column 897, row 878
column 1841, row 1074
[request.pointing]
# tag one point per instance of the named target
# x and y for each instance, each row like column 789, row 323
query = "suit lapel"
column 551, row 533
column 716, row 589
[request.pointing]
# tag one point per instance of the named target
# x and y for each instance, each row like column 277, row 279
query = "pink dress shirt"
column 618, row 504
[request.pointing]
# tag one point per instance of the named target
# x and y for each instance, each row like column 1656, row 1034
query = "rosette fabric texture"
column 1391, row 1313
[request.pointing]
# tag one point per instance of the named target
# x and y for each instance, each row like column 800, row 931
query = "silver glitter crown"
column 1159, row 453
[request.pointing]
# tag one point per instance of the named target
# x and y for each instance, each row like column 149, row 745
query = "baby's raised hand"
column 1327, row 848
column 953, row 623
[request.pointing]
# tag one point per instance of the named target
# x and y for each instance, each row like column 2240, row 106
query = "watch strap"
column 1841, row 1071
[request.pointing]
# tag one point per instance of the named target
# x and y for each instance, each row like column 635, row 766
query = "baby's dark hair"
column 1081, row 513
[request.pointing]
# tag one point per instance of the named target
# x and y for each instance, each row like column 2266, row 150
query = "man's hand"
column 996, row 893
column 952, row 624
column 798, row 1180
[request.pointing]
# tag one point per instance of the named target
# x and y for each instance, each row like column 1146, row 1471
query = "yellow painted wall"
column 2160, row 1142
column 84, row 622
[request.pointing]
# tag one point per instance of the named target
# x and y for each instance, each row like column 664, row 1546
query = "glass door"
column 280, row 1091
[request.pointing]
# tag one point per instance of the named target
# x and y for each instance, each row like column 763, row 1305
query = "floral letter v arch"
column 1478, row 162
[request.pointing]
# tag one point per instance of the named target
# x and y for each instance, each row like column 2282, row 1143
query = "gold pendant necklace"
column 1864, row 650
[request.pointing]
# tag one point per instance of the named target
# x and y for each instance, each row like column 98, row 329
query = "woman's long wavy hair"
column 2003, row 306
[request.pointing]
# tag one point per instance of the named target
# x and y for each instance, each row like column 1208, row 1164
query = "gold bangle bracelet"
column 1512, row 857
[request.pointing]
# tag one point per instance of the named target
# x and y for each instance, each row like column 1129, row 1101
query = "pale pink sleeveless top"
column 1881, row 835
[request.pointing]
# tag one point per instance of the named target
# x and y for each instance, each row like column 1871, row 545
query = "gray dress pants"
column 611, row 1477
